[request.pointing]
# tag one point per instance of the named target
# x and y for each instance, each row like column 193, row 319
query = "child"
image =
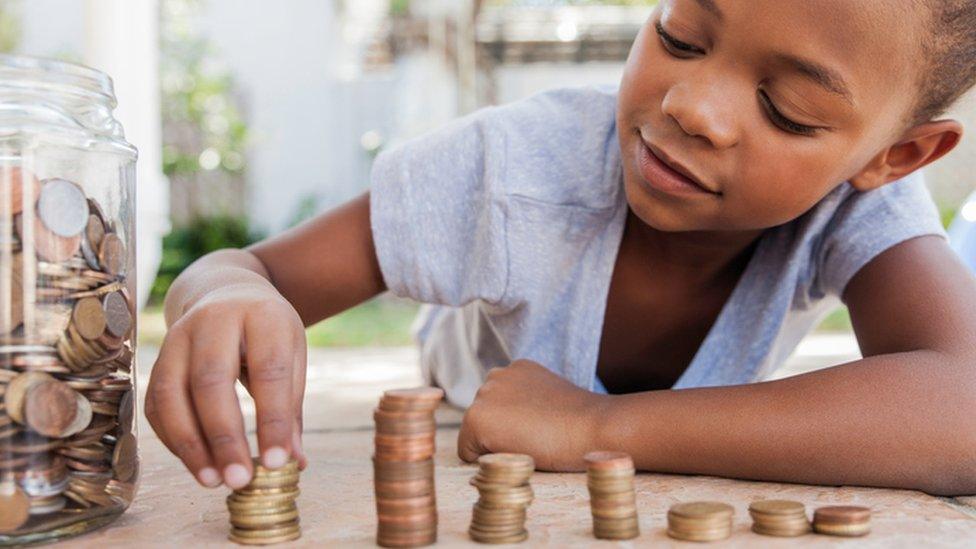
column 627, row 266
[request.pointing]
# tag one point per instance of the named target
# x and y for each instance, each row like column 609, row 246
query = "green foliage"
column 381, row 322
column 187, row 244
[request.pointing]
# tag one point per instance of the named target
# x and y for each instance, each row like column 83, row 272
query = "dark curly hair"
column 950, row 57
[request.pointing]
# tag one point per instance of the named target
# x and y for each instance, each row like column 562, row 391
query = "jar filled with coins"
column 68, row 453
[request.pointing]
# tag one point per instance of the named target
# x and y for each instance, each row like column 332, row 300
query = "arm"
column 253, row 304
column 901, row 417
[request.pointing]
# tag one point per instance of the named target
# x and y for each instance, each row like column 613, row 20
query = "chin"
column 657, row 214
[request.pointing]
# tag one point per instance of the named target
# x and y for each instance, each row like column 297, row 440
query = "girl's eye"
column 674, row 46
column 781, row 121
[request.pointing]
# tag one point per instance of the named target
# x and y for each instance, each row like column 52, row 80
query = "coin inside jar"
column 63, row 207
column 89, row 317
column 50, row 407
column 11, row 317
column 124, row 457
column 17, row 390
column 48, row 245
column 118, row 317
column 15, row 178
column 111, row 254
column 14, row 507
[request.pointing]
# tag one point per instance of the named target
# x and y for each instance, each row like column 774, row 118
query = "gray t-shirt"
column 508, row 222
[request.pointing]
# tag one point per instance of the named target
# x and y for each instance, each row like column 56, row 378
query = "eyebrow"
column 711, row 7
column 825, row 77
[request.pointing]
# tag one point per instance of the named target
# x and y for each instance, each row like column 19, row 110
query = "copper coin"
column 89, row 317
column 117, row 314
column 83, row 416
column 50, row 407
column 702, row 510
column 17, row 390
column 126, row 413
column 112, row 255
column 14, row 178
column 842, row 514
column 404, row 489
column 125, row 458
column 13, row 315
column 380, row 415
column 63, row 207
column 14, row 507
column 48, row 245
column 603, row 460
column 95, row 231
column 506, row 461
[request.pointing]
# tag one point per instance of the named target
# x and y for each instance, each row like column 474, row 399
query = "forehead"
column 869, row 43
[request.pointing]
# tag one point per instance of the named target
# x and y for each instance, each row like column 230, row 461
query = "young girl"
column 620, row 269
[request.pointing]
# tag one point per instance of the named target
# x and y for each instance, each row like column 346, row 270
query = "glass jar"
column 68, row 455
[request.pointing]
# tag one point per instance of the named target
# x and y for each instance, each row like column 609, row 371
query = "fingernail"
column 209, row 477
column 235, row 476
column 275, row 457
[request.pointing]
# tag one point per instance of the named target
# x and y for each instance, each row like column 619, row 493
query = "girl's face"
column 741, row 116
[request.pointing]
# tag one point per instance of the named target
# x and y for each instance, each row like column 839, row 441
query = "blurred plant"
column 10, row 31
column 203, row 128
column 184, row 245
column 308, row 205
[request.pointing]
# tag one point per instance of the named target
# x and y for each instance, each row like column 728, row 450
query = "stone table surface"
column 337, row 506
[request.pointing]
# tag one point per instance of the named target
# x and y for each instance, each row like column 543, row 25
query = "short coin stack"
column 610, row 479
column 700, row 521
column 842, row 520
column 264, row 511
column 403, row 467
column 776, row 517
column 504, row 496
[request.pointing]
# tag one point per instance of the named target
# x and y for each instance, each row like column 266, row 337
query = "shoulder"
column 559, row 146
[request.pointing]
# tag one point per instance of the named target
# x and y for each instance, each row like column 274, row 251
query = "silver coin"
column 63, row 207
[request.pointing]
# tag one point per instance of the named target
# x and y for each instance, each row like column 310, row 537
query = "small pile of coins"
column 700, row 521
column 504, row 494
column 613, row 503
column 403, row 467
column 66, row 323
column 264, row 511
column 781, row 518
column 842, row 520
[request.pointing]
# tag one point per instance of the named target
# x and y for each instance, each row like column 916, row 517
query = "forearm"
column 901, row 420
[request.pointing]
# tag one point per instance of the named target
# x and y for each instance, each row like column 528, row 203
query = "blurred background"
column 250, row 116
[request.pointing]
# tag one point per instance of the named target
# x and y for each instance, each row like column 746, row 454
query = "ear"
column 918, row 147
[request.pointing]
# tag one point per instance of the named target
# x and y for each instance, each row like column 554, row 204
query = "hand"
column 191, row 402
column 525, row 408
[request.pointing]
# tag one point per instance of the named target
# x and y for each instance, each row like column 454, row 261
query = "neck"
column 696, row 255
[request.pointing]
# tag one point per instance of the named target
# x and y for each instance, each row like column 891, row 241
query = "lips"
column 666, row 175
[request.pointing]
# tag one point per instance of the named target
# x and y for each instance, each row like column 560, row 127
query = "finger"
column 214, row 366
column 469, row 449
column 298, row 388
column 170, row 412
column 270, row 362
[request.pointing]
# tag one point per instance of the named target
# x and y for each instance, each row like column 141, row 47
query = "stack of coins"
column 66, row 323
column 504, row 495
column 842, row 520
column 264, row 511
column 403, row 467
column 775, row 517
column 610, row 479
column 700, row 521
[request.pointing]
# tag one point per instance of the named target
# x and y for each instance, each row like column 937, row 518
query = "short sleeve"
column 866, row 224
column 437, row 215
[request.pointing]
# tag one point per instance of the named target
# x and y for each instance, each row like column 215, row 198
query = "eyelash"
column 681, row 50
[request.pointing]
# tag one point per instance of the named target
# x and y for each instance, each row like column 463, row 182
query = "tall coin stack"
column 66, row 422
column 403, row 467
column 781, row 518
column 610, row 479
column 504, row 495
column 700, row 521
column 264, row 511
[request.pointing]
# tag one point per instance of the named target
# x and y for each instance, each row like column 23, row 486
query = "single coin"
column 17, row 390
column 429, row 394
column 702, row 509
column 63, row 207
column 777, row 507
column 48, row 245
column 125, row 458
column 506, row 461
column 23, row 186
column 92, row 240
column 83, row 416
column 842, row 514
column 118, row 316
column 89, row 317
column 14, row 507
column 12, row 316
column 112, row 254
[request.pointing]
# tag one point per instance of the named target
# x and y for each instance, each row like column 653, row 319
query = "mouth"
column 665, row 174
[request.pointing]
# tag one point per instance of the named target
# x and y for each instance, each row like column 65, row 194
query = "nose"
column 702, row 111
